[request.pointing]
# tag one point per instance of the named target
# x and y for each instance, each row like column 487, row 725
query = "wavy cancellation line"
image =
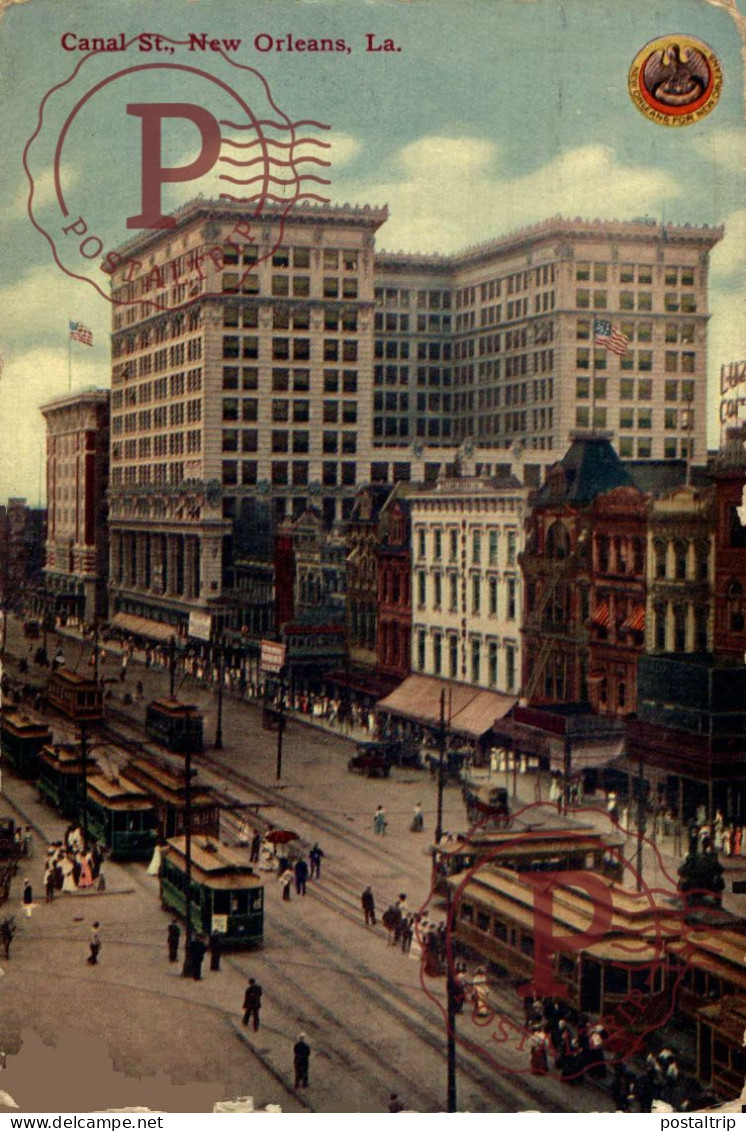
column 274, row 125
column 274, row 180
column 277, row 144
column 274, row 161
column 274, row 197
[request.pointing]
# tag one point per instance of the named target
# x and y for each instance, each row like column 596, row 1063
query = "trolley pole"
column 218, row 744
column 280, row 724
column 186, row 971
column 640, row 819
column 441, row 768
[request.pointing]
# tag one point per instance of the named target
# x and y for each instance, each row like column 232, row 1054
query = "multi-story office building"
column 241, row 392
column 412, row 375
column 75, row 571
column 509, row 355
column 466, row 588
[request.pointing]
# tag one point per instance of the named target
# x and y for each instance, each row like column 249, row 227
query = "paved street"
column 374, row 1024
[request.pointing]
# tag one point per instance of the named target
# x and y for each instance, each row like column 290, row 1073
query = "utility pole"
column 441, row 766
column 280, row 723
column 172, row 667
column 95, row 651
column 187, row 967
column 451, row 1039
column 219, row 731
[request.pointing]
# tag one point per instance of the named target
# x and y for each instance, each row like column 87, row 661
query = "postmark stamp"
column 561, row 955
column 186, row 128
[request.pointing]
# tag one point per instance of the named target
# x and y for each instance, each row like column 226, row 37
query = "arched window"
column 558, row 541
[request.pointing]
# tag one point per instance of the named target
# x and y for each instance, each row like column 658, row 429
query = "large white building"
column 467, row 533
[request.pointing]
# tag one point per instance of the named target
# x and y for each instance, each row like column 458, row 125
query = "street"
column 372, row 1027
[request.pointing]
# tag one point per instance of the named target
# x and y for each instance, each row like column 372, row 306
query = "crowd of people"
column 72, row 864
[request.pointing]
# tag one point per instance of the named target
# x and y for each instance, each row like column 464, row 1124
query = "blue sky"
column 495, row 113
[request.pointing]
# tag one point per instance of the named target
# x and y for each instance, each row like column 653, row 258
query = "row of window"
column 451, row 539
column 284, row 473
column 457, row 597
column 673, row 301
column 445, row 658
column 634, row 418
column 643, row 388
column 424, row 299
column 399, row 374
column 284, row 441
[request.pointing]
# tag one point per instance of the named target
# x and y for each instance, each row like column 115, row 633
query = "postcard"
column 295, row 295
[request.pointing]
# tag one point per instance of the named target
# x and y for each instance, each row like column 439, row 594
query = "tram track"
column 426, row 1024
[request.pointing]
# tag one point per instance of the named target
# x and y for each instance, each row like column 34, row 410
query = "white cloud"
column 31, row 378
column 447, row 192
column 723, row 149
column 38, row 306
column 728, row 258
column 44, row 192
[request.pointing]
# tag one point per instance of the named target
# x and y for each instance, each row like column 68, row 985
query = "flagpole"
column 69, row 362
column 593, row 371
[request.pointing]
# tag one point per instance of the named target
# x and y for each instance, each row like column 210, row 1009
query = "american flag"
column 79, row 332
column 609, row 337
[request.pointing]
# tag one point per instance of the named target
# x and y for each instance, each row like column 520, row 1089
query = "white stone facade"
column 467, row 534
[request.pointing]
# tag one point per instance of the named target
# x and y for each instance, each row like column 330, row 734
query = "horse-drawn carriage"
column 487, row 805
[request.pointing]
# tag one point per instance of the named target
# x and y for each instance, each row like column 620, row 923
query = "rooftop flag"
column 609, row 337
column 79, row 332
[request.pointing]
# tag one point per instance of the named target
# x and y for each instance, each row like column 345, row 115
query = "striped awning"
column 635, row 622
column 143, row 626
column 601, row 616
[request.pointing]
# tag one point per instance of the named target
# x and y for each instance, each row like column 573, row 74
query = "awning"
column 585, row 753
column 635, row 622
column 143, row 626
column 469, row 711
column 366, row 683
column 601, row 616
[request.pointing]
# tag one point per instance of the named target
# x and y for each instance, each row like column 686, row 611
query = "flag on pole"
column 79, row 332
column 609, row 337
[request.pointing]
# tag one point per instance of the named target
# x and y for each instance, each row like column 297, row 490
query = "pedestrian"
column 173, row 935
column 215, row 950
column 94, row 945
column 379, row 821
column 256, row 845
column 407, row 933
column 197, row 951
column 50, row 883
column 395, row 1104
column 7, row 930
column 368, row 902
column 418, row 820
column 301, row 876
column 28, row 898
column 252, row 1003
column 286, row 881
column 301, row 1058
column 315, row 856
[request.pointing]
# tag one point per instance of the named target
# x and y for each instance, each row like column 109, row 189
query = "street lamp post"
column 186, row 971
column 172, row 667
column 84, row 778
column 280, row 723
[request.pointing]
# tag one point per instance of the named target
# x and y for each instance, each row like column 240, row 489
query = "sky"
column 494, row 114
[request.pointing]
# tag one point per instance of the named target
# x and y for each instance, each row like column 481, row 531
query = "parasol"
column 280, row 836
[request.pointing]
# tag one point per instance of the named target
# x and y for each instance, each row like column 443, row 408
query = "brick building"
column 77, row 545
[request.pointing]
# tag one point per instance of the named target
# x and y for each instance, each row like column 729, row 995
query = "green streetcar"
column 227, row 896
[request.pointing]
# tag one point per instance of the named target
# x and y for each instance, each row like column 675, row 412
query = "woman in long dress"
column 68, row 874
column 154, row 867
column 85, row 879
